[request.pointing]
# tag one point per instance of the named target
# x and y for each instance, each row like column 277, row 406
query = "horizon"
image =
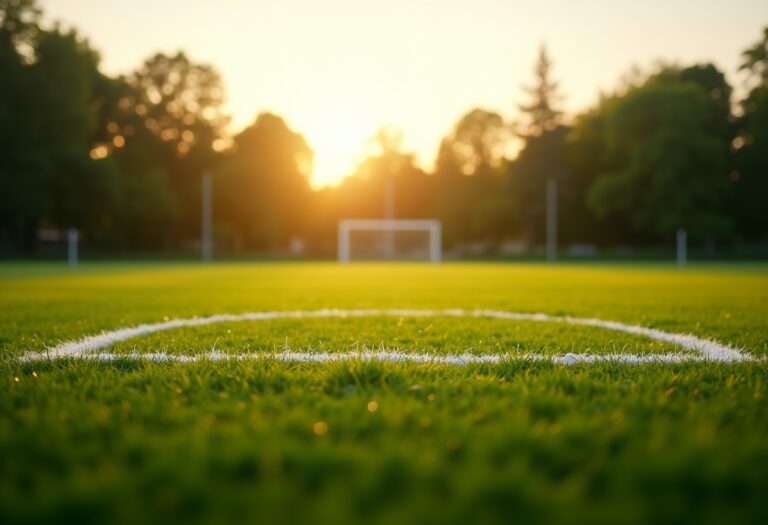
column 354, row 78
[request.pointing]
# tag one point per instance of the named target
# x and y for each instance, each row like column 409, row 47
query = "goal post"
column 388, row 228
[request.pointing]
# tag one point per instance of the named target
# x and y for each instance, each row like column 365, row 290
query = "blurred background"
column 643, row 120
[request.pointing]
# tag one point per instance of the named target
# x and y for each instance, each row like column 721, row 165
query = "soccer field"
column 411, row 413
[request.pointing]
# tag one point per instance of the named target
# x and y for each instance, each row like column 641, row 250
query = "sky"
column 338, row 70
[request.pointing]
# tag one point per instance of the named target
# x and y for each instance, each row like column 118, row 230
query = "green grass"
column 136, row 442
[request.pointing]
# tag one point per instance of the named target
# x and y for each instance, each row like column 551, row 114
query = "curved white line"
column 708, row 350
column 399, row 357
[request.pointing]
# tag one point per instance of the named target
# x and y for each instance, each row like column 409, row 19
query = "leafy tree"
column 19, row 24
column 261, row 190
column 148, row 203
column 543, row 155
column 180, row 102
column 591, row 154
column 542, row 113
column 750, row 178
column 755, row 60
column 86, row 189
column 478, row 143
column 470, row 195
column 45, row 124
column 718, row 93
column 670, row 168
column 588, row 157
column 22, row 171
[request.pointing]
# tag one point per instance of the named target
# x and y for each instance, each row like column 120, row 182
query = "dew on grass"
column 320, row 428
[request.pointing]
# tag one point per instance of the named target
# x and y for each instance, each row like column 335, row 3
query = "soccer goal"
column 390, row 239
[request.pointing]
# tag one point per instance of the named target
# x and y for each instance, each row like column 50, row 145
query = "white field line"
column 88, row 347
column 395, row 357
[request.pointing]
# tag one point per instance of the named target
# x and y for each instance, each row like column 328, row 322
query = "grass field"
column 381, row 442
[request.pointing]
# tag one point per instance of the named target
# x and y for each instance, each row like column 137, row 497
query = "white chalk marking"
column 396, row 357
column 707, row 350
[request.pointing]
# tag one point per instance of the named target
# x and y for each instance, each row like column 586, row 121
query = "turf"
column 374, row 442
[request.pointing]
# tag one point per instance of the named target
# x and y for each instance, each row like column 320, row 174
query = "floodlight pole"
column 551, row 219
column 73, row 238
column 207, row 233
column 682, row 247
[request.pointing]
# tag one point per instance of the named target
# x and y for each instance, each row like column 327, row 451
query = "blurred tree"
column 471, row 197
column 45, row 125
column 755, row 60
column 668, row 166
column 478, row 143
column 261, row 191
column 542, row 113
column 19, row 25
column 148, row 203
column 22, row 170
column 718, row 92
column 180, row 102
column 86, row 187
column 750, row 178
column 543, row 155
column 387, row 169
column 590, row 156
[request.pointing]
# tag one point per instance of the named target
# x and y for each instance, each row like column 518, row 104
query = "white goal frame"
column 433, row 227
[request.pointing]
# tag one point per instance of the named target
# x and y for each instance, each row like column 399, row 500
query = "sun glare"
column 338, row 141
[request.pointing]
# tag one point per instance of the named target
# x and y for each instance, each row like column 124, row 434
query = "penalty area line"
column 706, row 349
column 392, row 356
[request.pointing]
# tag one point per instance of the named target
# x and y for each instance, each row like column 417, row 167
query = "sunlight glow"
column 338, row 140
column 338, row 70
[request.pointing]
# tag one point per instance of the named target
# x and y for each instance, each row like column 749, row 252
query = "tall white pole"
column 682, row 247
column 207, row 231
column 389, row 214
column 343, row 247
column 435, row 242
column 551, row 219
column 72, row 247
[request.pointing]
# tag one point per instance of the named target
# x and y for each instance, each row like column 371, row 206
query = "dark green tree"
column 261, row 190
column 542, row 111
column 755, row 60
column 180, row 102
column 471, row 195
column 85, row 187
column 667, row 167
column 148, row 203
column 543, row 155
column 46, row 122
column 750, row 178
column 23, row 171
column 718, row 93
column 590, row 154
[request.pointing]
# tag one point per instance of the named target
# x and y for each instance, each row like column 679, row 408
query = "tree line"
column 121, row 159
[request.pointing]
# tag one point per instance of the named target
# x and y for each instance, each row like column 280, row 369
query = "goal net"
column 389, row 240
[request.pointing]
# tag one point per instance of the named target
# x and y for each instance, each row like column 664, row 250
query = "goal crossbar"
column 431, row 226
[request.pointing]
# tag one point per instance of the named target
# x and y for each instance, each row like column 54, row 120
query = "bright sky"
column 337, row 70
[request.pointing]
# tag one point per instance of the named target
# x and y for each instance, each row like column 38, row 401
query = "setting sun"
column 338, row 140
column 338, row 70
